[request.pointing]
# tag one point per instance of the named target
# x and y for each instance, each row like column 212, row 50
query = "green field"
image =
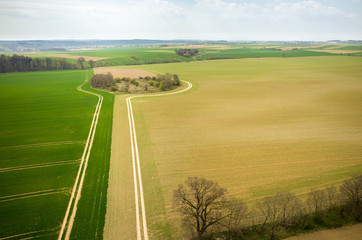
column 264, row 122
column 256, row 126
column 151, row 55
column 44, row 124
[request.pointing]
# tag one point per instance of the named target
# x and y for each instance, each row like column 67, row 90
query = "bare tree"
column 91, row 63
column 317, row 200
column 237, row 214
column 352, row 190
column 290, row 208
column 332, row 196
column 270, row 211
column 102, row 80
column 81, row 61
column 201, row 203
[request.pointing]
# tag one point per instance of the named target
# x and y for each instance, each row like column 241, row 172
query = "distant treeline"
column 186, row 52
column 18, row 63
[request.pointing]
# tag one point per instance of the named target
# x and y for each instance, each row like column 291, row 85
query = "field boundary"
column 77, row 188
column 138, row 186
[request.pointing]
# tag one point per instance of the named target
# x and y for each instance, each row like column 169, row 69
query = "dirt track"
column 115, row 219
column 353, row 232
column 68, row 221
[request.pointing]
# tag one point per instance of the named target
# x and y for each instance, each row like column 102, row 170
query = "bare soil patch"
column 86, row 58
column 353, row 232
column 124, row 72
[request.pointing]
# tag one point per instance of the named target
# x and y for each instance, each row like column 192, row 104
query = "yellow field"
column 335, row 51
column 256, row 126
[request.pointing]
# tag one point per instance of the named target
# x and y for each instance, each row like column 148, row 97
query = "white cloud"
column 229, row 9
column 305, row 8
column 170, row 19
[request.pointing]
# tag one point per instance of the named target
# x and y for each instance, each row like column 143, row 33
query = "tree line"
column 20, row 63
column 208, row 213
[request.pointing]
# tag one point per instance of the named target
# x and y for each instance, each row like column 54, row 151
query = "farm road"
column 77, row 188
column 119, row 222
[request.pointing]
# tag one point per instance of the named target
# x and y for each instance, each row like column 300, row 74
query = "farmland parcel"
column 45, row 123
column 257, row 127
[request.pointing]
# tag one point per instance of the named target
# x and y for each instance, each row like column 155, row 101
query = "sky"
column 261, row 20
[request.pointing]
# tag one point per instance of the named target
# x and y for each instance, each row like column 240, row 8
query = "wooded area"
column 19, row 63
column 164, row 82
column 186, row 52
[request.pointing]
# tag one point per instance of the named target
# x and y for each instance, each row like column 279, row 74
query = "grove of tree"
column 209, row 213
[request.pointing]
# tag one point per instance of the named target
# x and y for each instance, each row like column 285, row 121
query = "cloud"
column 170, row 19
column 305, row 8
column 229, row 9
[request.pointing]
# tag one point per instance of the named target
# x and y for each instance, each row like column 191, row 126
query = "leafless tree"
column 202, row 204
column 269, row 210
column 81, row 61
column 317, row 200
column 102, row 80
column 91, row 63
column 352, row 190
column 290, row 208
column 332, row 196
column 237, row 215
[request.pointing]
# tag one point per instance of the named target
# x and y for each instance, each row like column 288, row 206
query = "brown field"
column 86, row 58
column 124, row 72
column 336, row 51
column 120, row 200
column 255, row 126
column 353, row 232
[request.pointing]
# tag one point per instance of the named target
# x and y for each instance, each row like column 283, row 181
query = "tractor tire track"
column 137, row 175
column 67, row 225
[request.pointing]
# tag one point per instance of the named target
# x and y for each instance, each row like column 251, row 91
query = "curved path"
column 126, row 212
column 68, row 221
column 138, row 186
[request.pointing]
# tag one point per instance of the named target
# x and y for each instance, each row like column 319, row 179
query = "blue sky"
column 184, row 19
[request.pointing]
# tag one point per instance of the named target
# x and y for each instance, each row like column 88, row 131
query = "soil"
column 353, row 232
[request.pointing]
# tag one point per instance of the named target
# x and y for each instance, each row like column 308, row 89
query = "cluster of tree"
column 208, row 213
column 167, row 81
column 19, row 63
column 187, row 52
column 162, row 82
column 104, row 81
